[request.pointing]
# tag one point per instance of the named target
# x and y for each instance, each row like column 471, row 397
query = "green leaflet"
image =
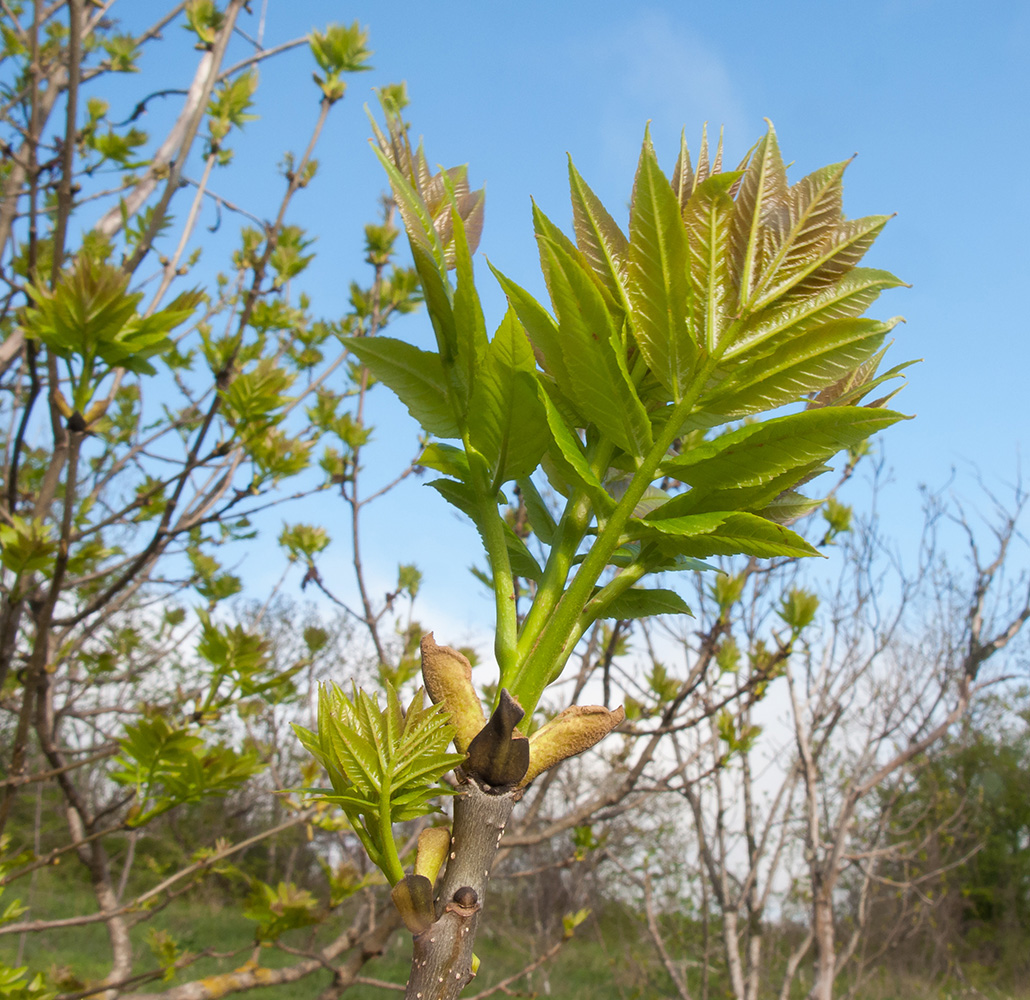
column 653, row 496
column 789, row 507
column 350, row 751
column 659, row 290
column 438, row 294
column 801, row 365
column 755, row 497
column 707, row 219
column 593, row 354
column 542, row 332
column 638, row 602
column 847, row 297
column 723, row 533
column 545, row 229
column 506, row 423
column 469, row 325
column 599, row 238
column 695, row 524
column 568, row 455
column 446, row 458
column 540, row 520
column 757, row 453
column 416, row 376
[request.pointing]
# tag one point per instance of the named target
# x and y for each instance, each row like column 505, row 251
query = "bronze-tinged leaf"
column 759, row 216
column 472, row 208
column 703, row 171
column 448, row 678
column 707, row 220
column 845, row 387
column 841, row 254
column 571, row 732
column 857, row 384
column 398, row 147
column 741, row 167
column 683, row 174
column 423, row 174
column 717, row 160
column 814, row 215
column 418, row 221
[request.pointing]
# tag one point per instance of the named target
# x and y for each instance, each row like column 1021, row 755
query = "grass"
column 587, row 966
column 608, row 959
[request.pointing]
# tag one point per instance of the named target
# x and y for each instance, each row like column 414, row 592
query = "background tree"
column 817, row 818
column 152, row 411
column 966, row 813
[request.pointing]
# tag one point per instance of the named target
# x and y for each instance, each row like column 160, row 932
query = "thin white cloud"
column 651, row 67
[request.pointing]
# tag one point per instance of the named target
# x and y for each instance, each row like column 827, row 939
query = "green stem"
column 569, row 536
column 506, row 632
column 555, row 642
column 599, row 602
column 392, row 868
column 614, row 588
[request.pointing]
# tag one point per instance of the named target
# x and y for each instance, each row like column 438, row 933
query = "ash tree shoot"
column 718, row 349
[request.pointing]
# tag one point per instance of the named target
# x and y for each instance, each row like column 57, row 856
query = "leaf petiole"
column 390, row 859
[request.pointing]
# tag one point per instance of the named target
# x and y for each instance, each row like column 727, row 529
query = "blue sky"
column 931, row 95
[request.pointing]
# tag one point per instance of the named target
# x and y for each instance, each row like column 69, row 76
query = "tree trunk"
column 825, row 947
column 731, row 942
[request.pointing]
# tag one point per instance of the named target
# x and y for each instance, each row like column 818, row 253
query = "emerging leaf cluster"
column 89, row 319
column 337, row 50
column 733, row 295
column 171, row 766
column 280, row 909
column 384, row 764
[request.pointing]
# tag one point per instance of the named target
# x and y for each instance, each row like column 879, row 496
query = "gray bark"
column 441, row 961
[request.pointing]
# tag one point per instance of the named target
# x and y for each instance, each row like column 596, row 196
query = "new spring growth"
column 433, row 845
column 413, row 894
column 448, row 679
column 569, row 733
